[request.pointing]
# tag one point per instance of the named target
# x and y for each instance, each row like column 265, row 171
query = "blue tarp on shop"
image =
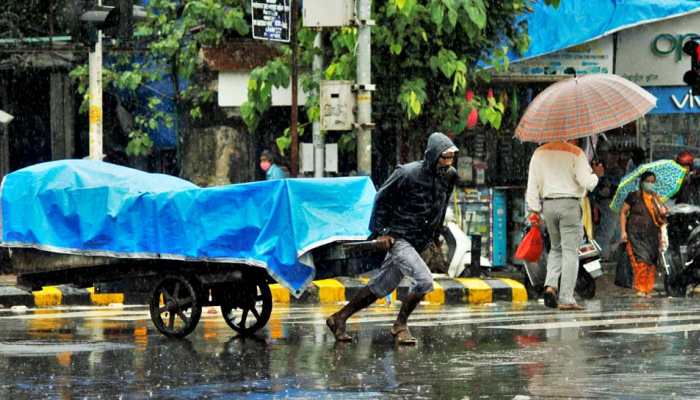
column 576, row 22
column 94, row 208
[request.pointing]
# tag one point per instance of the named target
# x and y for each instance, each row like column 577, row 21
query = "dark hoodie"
column 412, row 202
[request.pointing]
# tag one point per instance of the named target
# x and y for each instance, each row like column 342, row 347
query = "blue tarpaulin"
column 94, row 208
column 576, row 22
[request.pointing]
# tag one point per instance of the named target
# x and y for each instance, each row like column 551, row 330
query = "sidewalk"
column 327, row 291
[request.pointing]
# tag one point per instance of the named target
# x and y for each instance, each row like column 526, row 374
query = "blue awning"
column 576, row 22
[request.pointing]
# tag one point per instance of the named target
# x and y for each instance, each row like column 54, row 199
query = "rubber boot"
column 336, row 322
column 400, row 329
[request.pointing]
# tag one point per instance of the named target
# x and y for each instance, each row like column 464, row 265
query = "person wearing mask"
column 408, row 214
column 559, row 177
column 641, row 219
column 272, row 170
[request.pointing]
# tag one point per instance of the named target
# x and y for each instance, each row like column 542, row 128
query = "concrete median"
column 325, row 291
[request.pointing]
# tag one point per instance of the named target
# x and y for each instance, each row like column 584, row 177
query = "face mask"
column 647, row 187
column 446, row 172
column 265, row 165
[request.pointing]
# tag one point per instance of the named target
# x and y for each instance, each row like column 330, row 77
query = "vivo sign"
column 675, row 100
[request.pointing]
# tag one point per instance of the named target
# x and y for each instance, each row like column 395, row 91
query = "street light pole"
column 95, row 110
column 365, row 87
column 5, row 120
column 318, row 139
column 295, row 76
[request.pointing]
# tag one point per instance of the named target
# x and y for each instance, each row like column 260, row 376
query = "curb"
column 445, row 291
column 325, row 291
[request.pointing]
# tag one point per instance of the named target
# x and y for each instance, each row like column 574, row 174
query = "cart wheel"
column 249, row 307
column 175, row 308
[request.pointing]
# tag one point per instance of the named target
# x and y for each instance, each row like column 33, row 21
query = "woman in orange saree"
column 641, row 218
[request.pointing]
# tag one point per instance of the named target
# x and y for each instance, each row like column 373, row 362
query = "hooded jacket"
column 411, row 204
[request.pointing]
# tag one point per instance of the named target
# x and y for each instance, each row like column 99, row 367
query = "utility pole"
column 364, row 84
column 295, row 78
column 126, row 21
column 95, row 110
column 318, row 139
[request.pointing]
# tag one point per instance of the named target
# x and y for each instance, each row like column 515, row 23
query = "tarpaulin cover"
column 95, row 208
column 576, row 22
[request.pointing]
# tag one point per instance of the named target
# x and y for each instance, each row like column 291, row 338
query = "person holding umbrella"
column 560, row 173
column 641, row 219
column 558, row 178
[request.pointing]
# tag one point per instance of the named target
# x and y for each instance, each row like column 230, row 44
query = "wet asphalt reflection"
column 620, row 347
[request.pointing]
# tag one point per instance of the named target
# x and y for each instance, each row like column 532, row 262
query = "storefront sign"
column 652, row 54
column 589, row 58
column 675, row 100
column 666, row 44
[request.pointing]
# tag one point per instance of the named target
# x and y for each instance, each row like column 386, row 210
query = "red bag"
column 532, row 245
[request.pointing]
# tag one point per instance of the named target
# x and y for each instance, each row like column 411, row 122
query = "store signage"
column 595, row 57
column 666, row 44
column 271, row 19
column 675, row 100
column 652, row 54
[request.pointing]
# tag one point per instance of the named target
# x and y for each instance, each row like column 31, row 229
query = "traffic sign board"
column 271, row 19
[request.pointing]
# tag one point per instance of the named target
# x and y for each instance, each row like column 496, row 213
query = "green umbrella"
column 669, row 178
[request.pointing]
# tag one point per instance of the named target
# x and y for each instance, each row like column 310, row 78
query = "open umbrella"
column 669, row 178
column 583, row 106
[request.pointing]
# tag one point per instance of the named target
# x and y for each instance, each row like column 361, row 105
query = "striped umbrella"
column 669, row 178
column 583, row 106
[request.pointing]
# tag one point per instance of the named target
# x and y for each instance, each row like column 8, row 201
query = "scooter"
column 461, row 250
column 535, row 273
column 680, row 263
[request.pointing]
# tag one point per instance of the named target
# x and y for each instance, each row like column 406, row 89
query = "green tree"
column 424, row 58
column 170, row 38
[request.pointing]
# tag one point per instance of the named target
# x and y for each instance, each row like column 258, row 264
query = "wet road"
column 622, row 347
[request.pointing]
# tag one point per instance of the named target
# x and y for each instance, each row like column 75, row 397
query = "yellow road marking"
column 280, row 294
column 105, row 299
column 517, row 288
column 437, row 296
column 479, row 291
column 330, row 291
column 48, row 296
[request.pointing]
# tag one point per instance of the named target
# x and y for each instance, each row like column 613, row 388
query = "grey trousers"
column 402, row 260
column 565, row 228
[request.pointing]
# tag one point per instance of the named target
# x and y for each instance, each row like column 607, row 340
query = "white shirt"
column 558, row 170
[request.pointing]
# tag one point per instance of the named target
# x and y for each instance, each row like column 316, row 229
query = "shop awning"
column 576, row 22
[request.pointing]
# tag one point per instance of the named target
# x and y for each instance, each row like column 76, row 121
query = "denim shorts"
column 402, row 260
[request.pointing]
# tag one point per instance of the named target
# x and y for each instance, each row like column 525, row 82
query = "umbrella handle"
column 595, row 153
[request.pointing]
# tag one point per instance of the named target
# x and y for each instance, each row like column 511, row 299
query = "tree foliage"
column 170, row 38
column 425, row 55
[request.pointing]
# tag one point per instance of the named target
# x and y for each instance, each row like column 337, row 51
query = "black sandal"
column 550, row 297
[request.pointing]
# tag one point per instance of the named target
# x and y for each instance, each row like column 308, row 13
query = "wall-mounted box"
column 337, row 105
column 328, row 13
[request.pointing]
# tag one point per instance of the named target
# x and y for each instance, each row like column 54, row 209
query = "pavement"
column 503, row 286
column 620, row 347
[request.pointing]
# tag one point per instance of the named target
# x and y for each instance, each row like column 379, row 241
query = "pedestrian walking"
column 267, row 164
column 641, row 220
column 558, row 178
column 408, row 213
